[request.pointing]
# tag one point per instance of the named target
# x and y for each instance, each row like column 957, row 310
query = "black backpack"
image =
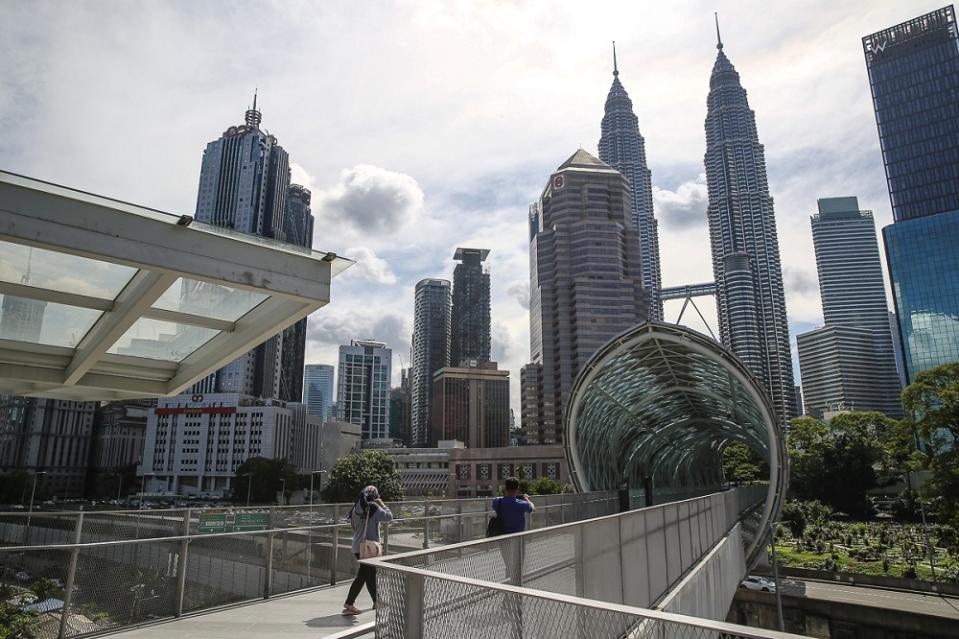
column 495, row 526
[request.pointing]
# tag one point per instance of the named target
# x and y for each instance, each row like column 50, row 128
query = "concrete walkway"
column 311, row 615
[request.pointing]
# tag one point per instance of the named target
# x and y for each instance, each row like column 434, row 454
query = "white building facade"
column 195, row 443
column 363, row 387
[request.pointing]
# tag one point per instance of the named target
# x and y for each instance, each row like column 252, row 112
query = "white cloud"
column 370, row 200
column 299, row 175
column 369, row 266
column 449, row 104
column 684, row 207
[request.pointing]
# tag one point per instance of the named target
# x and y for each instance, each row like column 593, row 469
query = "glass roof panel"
column 56, row 271
column 208, row 300
column 158, row 339
column 37, row 322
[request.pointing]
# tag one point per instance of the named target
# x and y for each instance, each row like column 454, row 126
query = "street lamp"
column 282, row 491
column 925, row 526
column 143, row 487
column 779, row 597
column 249, row 484
column 33, row 492
column 315, row 472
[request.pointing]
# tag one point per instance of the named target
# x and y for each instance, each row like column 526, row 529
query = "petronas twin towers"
column 742, row 225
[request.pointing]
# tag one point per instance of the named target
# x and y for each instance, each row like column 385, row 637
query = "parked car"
column 23, row 575
column 753, row 582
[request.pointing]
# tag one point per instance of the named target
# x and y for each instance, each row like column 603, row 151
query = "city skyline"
column 816, row 124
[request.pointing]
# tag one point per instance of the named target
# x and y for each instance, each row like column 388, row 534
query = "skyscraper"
column 470, row 328
column 21, row 319
column 855, row 366
column 622, row 147
column 400, row 410
column 471, row 404
column 585, row 283
column 318, row 390
column 431, row 351
column 244, row 178
column 742, row 232
column 298, row 230
column 363, row 387
column 915, row 92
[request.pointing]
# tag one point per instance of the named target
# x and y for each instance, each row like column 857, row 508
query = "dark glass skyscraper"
column 244, row 180
column 297, row 229
column 745, row 245
column 431, row 351
column 622, row 147
column 470, row 332
column 914, row 77
column 586, row 284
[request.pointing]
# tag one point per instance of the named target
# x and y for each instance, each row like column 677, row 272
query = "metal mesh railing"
column 119, row 568
column 630, row 559
column 414, row 604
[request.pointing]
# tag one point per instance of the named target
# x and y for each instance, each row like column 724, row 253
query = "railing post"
column 414, row 606
column 459, row 522
column 426, row 532
column 268, row 582
column 335, row 547
column 386, row 538
column 181, row 564
column 71, row 577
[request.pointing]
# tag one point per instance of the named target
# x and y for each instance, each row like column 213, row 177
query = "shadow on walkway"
column 333, row 621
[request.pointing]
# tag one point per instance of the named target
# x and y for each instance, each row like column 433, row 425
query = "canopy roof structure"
column 104, row 300
column 663, row 401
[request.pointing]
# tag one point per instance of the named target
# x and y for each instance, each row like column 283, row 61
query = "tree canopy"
column 352, row 472
column 836, row 463
column 264, row 479
column 933, row 400
column 743, row 464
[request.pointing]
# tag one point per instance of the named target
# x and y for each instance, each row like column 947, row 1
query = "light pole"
column 120, row 487
column 282, row 491
column 925, row 526
column 33, row 492
column 143, row 487
column 315, row 472
column 249, row 484
column 779, row 597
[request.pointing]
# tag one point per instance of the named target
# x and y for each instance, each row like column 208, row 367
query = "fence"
column 561, row 581
column 120, row 568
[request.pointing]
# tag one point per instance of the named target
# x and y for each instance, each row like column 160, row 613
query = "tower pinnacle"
column 253, row 117
column 719, row 40
column 615, row 67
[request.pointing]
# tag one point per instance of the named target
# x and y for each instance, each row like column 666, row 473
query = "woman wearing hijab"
column 367, row 514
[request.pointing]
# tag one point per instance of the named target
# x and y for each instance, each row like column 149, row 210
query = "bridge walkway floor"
column 308, row 615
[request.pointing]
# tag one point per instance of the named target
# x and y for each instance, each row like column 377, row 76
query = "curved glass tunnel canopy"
column 103, row 300
column 663, row 401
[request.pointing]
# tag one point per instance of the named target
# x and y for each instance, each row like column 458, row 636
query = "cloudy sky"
column 423, row 126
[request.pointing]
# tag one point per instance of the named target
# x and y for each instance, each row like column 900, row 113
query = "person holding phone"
column 367, row 514
column 511, row 508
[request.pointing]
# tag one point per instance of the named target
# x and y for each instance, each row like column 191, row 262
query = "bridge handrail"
column 565, row 563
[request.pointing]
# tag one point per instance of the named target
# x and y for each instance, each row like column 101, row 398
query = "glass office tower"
column 914, row 77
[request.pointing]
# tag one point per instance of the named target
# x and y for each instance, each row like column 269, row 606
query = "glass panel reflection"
column 37, row 322
column 157, row 339
column 40, row 268
column 208, row 300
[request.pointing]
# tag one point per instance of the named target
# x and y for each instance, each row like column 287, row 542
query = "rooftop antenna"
column 615, row 66
column 719, row 40
column 253, row 117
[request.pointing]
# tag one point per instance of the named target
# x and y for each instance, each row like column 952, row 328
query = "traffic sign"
column 251, row 521
column 212, row 523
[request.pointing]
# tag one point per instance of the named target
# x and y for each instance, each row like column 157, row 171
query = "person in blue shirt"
column 511, row 509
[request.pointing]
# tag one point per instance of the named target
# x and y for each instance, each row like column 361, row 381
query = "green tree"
column 933, row 400
column 743, row 464
column 835, row 463
column 44, row 589
column 16, row 624
column 14, row 487
column 264, row 479
column 353, row 472
column 795, row 517
column 547, row 486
